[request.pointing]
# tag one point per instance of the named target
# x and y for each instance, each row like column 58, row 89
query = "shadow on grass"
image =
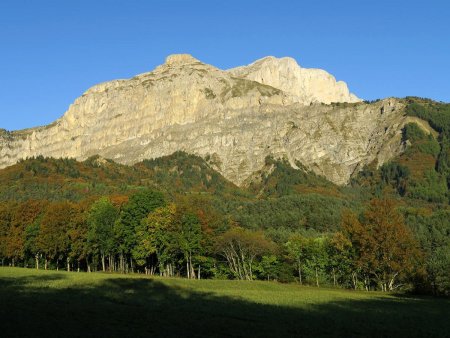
column 135, row 307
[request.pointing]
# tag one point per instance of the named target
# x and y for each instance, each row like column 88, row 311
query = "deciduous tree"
column 101, row 220
column 156, row 236
column 53, row 238
column 241, row 248
column 385, row 248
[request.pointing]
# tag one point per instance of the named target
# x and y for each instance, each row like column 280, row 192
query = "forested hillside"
column 175, row 216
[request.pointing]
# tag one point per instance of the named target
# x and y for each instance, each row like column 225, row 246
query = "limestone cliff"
column 234, row 119
column 307, row 85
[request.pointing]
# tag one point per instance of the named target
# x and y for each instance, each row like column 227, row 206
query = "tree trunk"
column 46, row 263
column 199, row 272
column 317, row 278
column 188, row 270
column 300, row 274
column 68, row 264
column 192, row 274
column 103, row 263
column 13, row 262
column 57, row 264
column 111, row 263
column 355, row 280
column 391, row 282
column 37, row 261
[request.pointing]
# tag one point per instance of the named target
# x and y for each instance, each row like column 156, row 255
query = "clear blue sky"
column 52, row 51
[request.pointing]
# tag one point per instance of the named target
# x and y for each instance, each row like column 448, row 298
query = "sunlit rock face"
column 233, row 119
column 307, row 85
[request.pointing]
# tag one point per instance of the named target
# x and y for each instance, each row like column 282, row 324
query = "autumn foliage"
column 384, row 249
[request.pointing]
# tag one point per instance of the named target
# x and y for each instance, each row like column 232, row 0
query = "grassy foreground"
column 50, row 303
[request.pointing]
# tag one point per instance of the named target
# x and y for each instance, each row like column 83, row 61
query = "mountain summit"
column 307, row 85
column 233, row 118
column 179, row 59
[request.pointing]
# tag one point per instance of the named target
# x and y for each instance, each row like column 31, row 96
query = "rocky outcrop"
column 307, row 85
column 226, row 117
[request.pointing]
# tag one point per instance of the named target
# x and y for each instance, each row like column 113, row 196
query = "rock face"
column 233, row 119
column 307, row 85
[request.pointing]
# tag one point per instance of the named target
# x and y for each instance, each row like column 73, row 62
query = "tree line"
column 149, row 233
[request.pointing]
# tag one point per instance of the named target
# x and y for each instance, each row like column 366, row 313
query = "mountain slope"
column 66, row 179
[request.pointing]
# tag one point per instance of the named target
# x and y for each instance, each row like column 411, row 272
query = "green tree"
column 296, row 252
column 138, row 207
column 316, row 257
column 100, row 236
column 433, row 232
column 156, row 236
column 189, row 237
column 340, row 259
column 397, row 175
column 31, row 247
column 269, row 266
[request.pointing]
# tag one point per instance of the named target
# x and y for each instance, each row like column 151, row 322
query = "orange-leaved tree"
column 53, row 239
column 384, row 248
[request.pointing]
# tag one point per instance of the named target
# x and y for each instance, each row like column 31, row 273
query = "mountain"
column 233, row 119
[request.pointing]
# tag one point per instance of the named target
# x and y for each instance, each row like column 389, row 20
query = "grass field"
column 50, row 303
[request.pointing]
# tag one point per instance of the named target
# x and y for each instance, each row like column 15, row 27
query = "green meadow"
column 71, row 304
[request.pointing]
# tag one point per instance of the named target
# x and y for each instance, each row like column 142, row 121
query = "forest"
column 389, row 229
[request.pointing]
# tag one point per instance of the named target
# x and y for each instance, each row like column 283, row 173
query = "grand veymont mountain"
column 233, row 118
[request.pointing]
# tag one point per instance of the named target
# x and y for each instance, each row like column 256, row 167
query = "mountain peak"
column 180, row 59
column 274, row 59
column 306, row 84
